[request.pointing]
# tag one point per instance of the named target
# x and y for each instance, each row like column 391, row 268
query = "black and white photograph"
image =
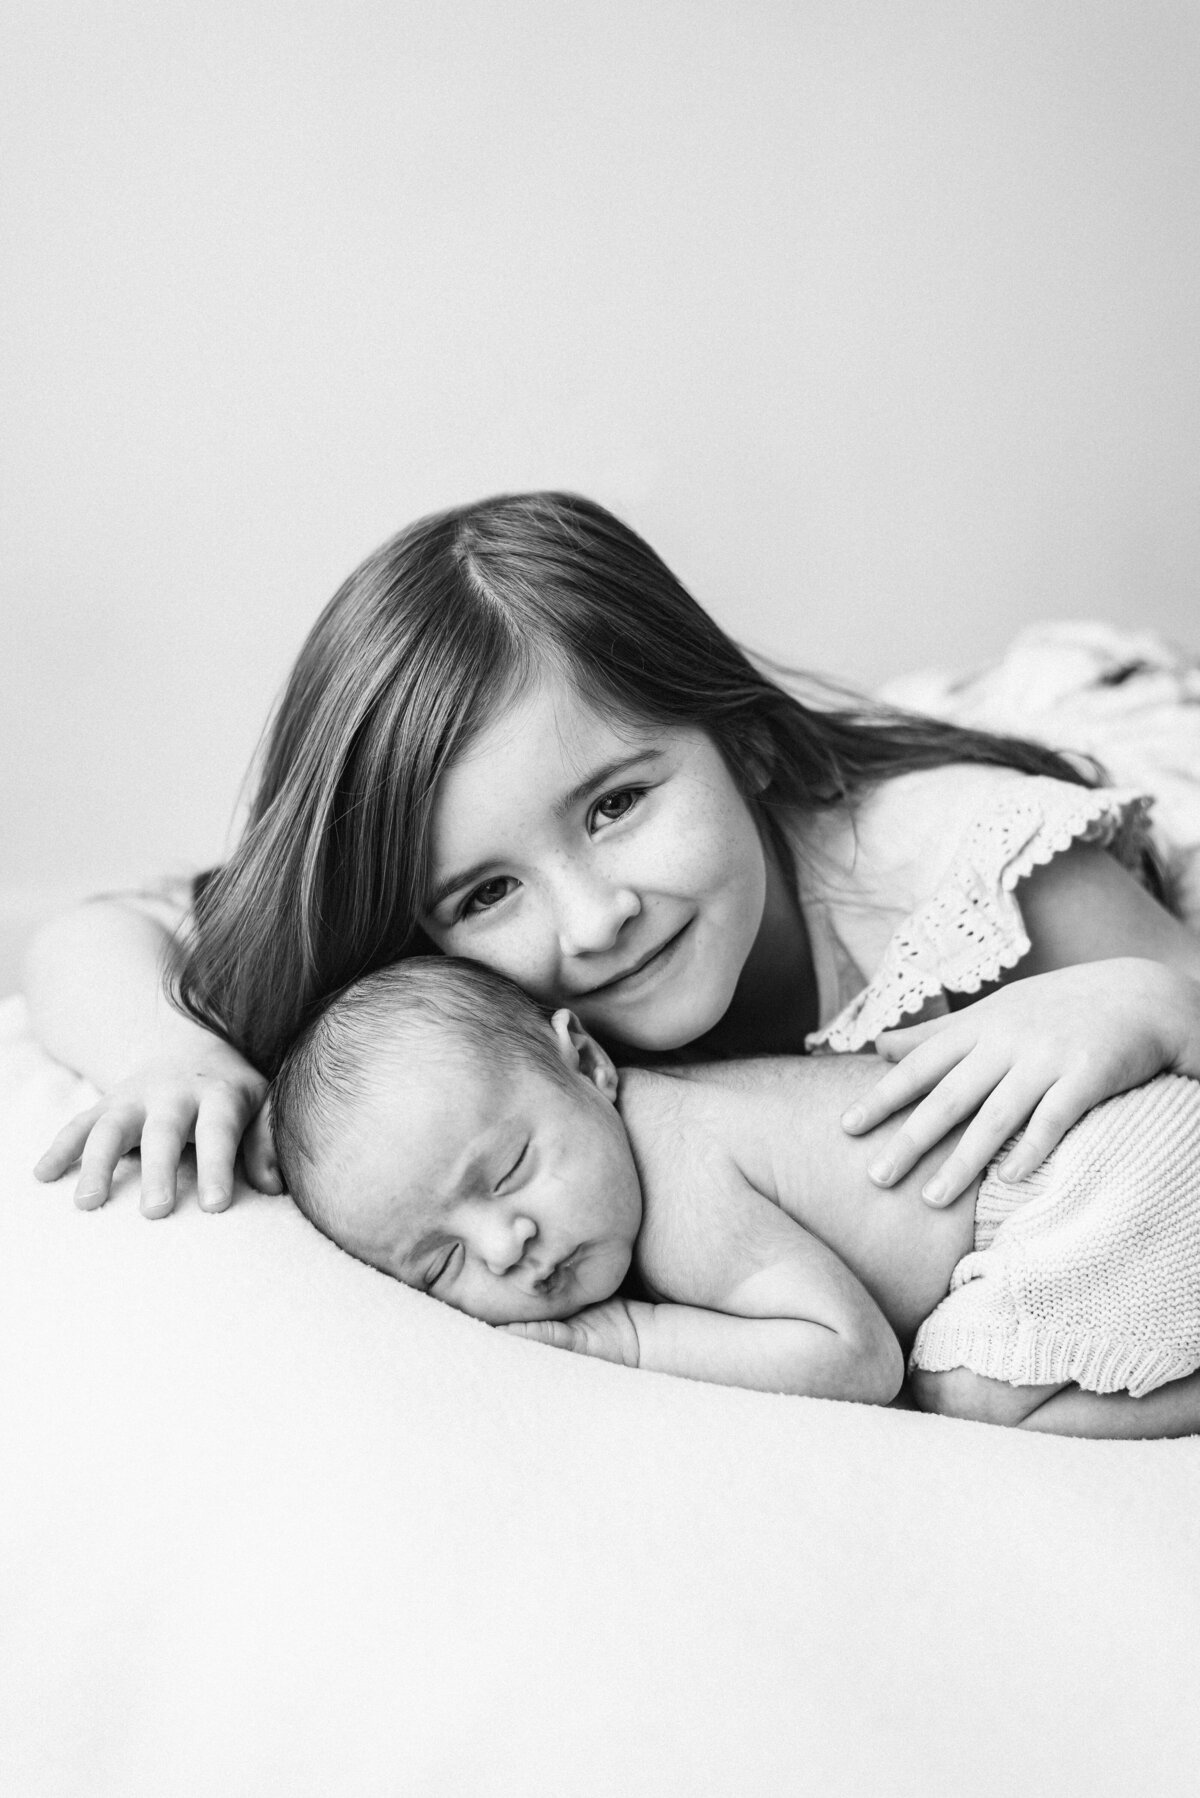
column 600, row 899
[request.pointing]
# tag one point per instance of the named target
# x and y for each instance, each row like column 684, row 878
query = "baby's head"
column 434, row 1122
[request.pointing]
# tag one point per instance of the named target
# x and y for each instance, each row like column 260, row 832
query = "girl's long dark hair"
column 411, row 658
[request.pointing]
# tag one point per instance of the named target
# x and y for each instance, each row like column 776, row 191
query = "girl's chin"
column 659, row 1035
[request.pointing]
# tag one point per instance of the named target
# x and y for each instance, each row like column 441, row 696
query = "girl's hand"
column 606, row 1331
column 1039, row 1053
column 215, row 1101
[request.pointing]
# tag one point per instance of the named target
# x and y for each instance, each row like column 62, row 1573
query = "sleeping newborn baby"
column 717, row 1222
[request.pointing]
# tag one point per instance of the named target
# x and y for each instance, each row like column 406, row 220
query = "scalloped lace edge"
column 880, row 1006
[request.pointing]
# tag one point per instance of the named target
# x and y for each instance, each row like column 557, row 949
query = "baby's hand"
column 1039, row 1052
column 606, row 1331
column 216, row 1103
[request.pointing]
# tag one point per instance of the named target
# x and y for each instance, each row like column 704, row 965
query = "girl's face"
column 605, row 866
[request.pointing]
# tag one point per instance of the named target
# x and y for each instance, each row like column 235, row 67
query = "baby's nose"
column 505, row 1242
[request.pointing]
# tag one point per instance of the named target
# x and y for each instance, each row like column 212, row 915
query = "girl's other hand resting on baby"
column 1107, row 996
column 215, row 1101
column 1038, row 1054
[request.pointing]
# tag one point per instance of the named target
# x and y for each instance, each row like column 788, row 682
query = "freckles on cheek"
column 530, row 964
column 715, row 841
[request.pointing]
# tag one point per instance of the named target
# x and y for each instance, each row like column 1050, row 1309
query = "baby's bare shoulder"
column 674, row 1124
column 692, row 1187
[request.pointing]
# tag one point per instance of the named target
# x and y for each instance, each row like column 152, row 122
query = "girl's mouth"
column 642, row 971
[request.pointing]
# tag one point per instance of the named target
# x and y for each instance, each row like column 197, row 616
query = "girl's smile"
column 610, row 866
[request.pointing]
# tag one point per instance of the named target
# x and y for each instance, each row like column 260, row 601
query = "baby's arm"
column 753, row 1300
column 1107, row 997
column 94, row 982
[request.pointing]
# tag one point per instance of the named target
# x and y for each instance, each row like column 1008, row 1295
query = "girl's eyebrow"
column 600, row 777
column 596, row 777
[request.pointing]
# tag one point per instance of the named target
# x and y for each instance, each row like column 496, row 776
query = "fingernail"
column 882, row 1170
column 854, row 1118
column 214, row 1198
column 934, row 1191
column 1010, row 1170
column 88, row 1198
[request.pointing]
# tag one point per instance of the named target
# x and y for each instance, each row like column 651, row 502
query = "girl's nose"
column 592, row 912
column 502, row 1241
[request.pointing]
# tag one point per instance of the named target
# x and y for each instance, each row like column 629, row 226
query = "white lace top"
column 913, row 895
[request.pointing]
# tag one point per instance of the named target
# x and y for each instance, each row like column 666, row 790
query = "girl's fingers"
column 1059, row 1108
column 925, row 1070
column 163, row 1143
column 894, row 1045
column 918, row 1073
column 218, row 1132
column 998, row 1118
column 67, row 1146
column 111, row 1137
column 958, row 1095
column 258, row 1153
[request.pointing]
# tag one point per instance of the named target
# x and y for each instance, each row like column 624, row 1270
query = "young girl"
column 513, row 736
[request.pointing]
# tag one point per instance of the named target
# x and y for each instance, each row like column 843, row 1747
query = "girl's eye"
column 616, row 805
column 489, row 894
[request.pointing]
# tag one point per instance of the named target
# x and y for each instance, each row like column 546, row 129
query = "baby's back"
column 776, row 1123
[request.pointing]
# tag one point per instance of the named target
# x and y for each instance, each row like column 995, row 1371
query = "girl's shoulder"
column 897, row 842
column 912, row 893
column 169, row 901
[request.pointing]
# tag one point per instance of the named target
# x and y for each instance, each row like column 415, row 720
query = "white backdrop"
column 880, row 320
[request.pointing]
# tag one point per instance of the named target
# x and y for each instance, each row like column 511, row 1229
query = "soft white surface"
column 272, row 1524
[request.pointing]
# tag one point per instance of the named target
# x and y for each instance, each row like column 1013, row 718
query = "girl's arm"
column 95, row 986
column 780, row 1313
column 1107, row 997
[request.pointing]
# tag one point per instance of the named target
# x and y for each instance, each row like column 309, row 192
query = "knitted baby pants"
column 1089, row 1270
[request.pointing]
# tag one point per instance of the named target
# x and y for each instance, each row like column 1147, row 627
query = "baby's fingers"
column 544, row 1329
column 67, row 1146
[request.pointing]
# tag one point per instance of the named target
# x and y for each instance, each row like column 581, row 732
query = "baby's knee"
column 957, row 1392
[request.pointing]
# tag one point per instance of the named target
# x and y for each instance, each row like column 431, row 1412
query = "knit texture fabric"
column 1089, row 1270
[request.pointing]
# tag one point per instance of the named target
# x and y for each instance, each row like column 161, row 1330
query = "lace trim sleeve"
column 967, row 933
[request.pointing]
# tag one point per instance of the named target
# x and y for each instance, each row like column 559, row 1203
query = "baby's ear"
column 583, row 1054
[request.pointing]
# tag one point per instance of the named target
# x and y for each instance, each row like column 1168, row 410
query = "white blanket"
column 272, row 1524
